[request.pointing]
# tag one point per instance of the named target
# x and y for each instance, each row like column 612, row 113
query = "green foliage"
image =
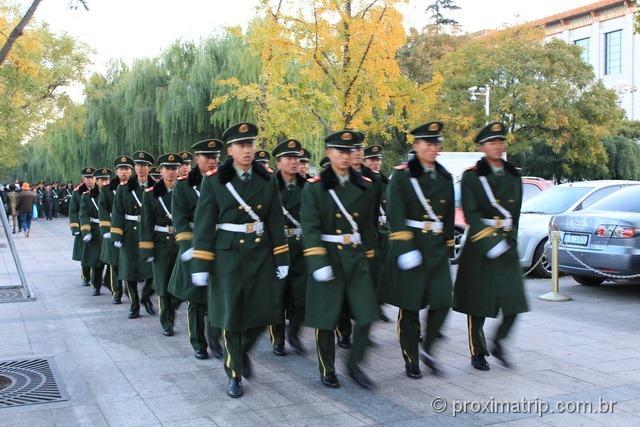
column 438, row 8
column 624, row 158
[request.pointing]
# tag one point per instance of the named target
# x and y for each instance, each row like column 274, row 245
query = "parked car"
column 531, row 186
column 604, row 236
column 537, row 212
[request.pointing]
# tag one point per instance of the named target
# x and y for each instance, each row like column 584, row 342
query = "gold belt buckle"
column 426, row 226
column 172, row 230
column 346, row 239
column 251, row 227
column 499, row 223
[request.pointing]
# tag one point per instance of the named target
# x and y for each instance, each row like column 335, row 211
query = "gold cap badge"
column 244, row 128
column 141, row 155
column 434, row 127
column 497, row 127
column 291, row 144
column 346, row 136
column 211, row 144
column 171, row 157
column 123, row 159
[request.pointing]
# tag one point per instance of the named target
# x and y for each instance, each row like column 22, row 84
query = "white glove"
column 76, row 233
column 106, row 236
column 410, row 260
column 117, row 244
column 187, row 255
column 150, row 259
column 498, row 249
column 282, row 271
column 200, row 279
column 87, row 238
column 323, row 274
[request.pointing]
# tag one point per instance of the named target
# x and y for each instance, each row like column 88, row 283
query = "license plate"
column 576, row 239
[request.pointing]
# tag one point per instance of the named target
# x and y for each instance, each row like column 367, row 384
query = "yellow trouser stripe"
column 482, row 234
column 469, row 326
column 401, row 235
column 324, row 369
column 227, row 361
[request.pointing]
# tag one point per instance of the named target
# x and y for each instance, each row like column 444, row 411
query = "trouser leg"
column 86, row 273
column 326, row 347
column 166, row 306
column 96, row 276
column 232, row 346
column 505, row 327
column 132, row 290
column 296, row 320
column 344, row 327
column 116, row 285
column 250, row 337
column 276, row 334
column 147, row 289
column 196, row 325
column 477, row 342
column 359, row 346
column 435, row 320
column 107, row 277
column 408, row 328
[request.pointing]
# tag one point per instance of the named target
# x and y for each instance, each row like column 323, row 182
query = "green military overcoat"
column 428, row 284
column 88, row 225
column 352, row 278
column 183, row 207
column 74, row 221
column 243, row 290
column 108, row 254
column 483, row 285
column 127, row 231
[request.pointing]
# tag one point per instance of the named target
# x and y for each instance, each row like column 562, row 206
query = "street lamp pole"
column 485, row 91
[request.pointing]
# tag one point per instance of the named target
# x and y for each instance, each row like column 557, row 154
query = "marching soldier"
column 324, row 162
column 183, row 207
column 373, row 161
column 304, row 160
column 110, row 254
column 155, row 173
column 242, row 203
column 90, row 227
column 489, row 275
column 125, row 234
column 416, row 275
column 57, row 197
column 293, row 289
column 74, row 222
column 335, row 217
column 263, row 158
column 157, row 238
column 187, row 161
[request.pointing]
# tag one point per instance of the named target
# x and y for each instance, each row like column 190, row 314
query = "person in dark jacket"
column 26, row 199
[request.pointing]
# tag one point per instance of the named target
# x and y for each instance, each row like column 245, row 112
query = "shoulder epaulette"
column 180, row 178
column 76, row 188
column 400, row 167
column 86, row 192
column 366, row 179
column 314, row 179
column 211, row 173
column 146, row 190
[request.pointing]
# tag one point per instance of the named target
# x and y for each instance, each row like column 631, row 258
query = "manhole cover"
column 11, row 294
column 30, row 382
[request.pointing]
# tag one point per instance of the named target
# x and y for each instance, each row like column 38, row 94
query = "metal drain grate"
column 12, row 294
column 30, row 381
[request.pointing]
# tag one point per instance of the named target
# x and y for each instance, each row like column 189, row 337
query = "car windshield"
column 625, row 200
column 555, row 200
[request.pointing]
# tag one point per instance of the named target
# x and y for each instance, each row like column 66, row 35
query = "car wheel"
column 588, row 281
column 543, row 269
column 458, row 237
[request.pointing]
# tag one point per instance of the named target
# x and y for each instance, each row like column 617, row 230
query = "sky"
column 129, row 29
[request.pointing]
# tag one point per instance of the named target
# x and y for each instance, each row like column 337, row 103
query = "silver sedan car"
column 537, row 212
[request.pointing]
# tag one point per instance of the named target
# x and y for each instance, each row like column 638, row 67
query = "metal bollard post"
column 554, row 295
column 14, row 251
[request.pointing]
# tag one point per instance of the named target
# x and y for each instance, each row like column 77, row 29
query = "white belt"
column 132, row 217
column 382, row 219
column 293, row 232
column 251, row 227
column 94, row 220
column 434, row 226
column 346, row 239
column 168, row 229
column 505, row 224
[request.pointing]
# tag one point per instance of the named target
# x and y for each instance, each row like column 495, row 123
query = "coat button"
column 241, row 241
column 339, row 231
column 339, row 247
column 338, row 215
column 495, row 234
column 135, row 228
column 259, row 207
column 257, row 240
column 425, row 216
column 356, row 214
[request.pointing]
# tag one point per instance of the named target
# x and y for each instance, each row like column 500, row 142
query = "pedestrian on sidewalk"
column 26, row 200
column 12, row 204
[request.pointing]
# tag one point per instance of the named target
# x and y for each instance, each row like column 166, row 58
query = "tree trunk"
column 18, row 31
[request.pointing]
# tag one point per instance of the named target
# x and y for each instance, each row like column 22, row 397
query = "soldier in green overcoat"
column 187, row 161
column 125, row 234
column 90, row 228
column 336, row 217
column 304, row 160
column 239, row 219
column 293, row 287
column 74, row 221
column 184, row 201
column 157, row 243
column 110, row 254
column 373, row 160
column 416, row 275
column 489, row 274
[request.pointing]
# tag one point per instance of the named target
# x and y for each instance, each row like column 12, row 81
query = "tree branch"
column 18, row 31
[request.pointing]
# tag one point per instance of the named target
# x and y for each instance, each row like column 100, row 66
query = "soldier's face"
column 494, row 149
column 339, row 159
column 426, row 151
column 184, row 169
column 303, row 167
column 123, row 173
column 243, row 154
column 373, row 164
column 142, row 170
column 357, row 154
column 206, row 162
column 102, row 182
column 169, row 173
column 289, row 165
column 89, row 181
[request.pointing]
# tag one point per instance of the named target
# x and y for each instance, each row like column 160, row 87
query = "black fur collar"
column 416, row 170
column 299, row 180
column 95, row 191
column 113, row 185
column 330, row 180
column 133, row 183
column 383, row 177
column 226, row 172
column 82, row 188
column 194, row 177
column 483, row 168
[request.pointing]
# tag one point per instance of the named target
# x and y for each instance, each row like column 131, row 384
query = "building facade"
column 605, row 32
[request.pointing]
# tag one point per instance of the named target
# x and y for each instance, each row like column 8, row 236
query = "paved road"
column 123, row 372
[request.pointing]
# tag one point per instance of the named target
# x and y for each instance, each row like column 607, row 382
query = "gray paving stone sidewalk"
column 122, row 372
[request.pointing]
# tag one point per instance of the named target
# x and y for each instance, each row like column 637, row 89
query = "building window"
column 613, row 52
column 584, row 44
